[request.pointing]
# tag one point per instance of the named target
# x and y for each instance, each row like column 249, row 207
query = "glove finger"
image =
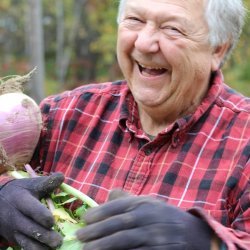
column 116, row 194
column 154, row 234
column 169, row 247
column 34, row 209
column 28, row 244
column 112, row 208
column 126, row 239
column 47, row 184
column 132, row 239
column 36, row 232
column 106, row 227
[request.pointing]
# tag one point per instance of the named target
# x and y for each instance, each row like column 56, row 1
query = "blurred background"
column 73, row 42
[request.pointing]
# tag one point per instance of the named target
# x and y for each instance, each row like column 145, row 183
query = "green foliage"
column 103, row 18
column 67, row 206
column 236, row 71
column 67, row 221
column 92, row 51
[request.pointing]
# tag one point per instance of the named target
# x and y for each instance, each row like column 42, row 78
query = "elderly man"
column 171, row 141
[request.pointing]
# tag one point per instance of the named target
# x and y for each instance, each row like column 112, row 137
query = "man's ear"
column 219, row 54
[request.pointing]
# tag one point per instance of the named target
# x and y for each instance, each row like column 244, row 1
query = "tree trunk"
column 59, row 40
column 35, row 41
column 68, row 50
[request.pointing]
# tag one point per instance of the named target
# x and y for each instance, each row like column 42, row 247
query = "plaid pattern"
column 93, row 135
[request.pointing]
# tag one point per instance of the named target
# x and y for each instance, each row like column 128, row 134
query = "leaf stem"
column 78, row 194
column 66, row 188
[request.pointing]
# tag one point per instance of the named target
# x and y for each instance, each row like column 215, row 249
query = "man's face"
column 164, row 54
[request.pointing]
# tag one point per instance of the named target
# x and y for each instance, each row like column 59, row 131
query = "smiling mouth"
column 151, row 71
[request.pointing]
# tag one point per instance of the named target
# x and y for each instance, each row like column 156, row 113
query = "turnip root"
column 20, row 123
column 20, row 128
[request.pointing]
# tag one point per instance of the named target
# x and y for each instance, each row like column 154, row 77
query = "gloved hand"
column 130, row 222
column 24, row 220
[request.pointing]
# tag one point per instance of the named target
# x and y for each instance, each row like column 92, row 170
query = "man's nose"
column 147, row 40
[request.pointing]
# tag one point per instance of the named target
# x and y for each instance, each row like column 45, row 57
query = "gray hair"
column 225, row 21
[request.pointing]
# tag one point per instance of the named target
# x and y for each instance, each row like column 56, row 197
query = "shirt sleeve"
column 237, row 235
column 45, row 106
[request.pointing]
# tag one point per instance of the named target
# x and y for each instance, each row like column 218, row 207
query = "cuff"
column 231, row 239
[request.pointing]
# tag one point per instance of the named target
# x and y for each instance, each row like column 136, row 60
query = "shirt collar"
column 129, row 117
column 216, row 85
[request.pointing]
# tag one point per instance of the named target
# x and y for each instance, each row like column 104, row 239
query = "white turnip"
column 20, row 124
column 20, row 128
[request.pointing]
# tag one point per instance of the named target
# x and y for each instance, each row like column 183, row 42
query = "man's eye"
column 172, row 30
column 134, row 19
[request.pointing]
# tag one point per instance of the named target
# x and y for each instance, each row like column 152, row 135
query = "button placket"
column 138, row 173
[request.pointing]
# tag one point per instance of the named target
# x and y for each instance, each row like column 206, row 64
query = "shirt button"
column 176, row 139
column 148, row 151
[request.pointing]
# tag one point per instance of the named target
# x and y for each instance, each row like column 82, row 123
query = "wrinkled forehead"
column 192, row 8
column 188, row 5
column 181, row 2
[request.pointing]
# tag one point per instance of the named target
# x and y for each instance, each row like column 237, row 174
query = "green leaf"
column 61, row 214
column 80, row 211
column 69, row 229
column 71, row 244
column 68, row 201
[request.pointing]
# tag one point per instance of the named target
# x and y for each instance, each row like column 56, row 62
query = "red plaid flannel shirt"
column 200, row 163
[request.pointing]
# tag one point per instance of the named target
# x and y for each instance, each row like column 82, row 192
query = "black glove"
column 24, row 220
column 131, row 222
